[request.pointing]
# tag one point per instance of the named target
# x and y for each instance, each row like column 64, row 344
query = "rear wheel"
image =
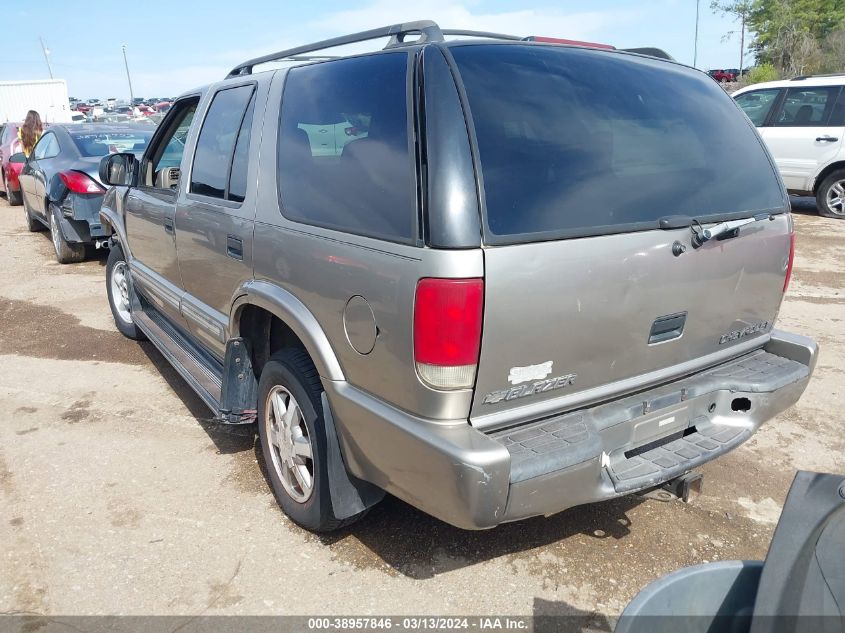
column 117, row 288
column 66, row 253
column 14, row 197
column 830, row 197
column 293, row 440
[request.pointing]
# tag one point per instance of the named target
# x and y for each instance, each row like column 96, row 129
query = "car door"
column 34, row 173
column 214, row 218
column 800, row 137
column 150, row 213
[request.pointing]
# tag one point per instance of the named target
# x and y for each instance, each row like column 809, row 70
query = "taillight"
column 447, row 331
column 789, row 261
column 78, row 182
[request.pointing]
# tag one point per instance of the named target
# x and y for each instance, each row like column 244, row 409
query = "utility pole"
column 695, row 45
column 46, row 52
column 128, row 78
column 742, row 43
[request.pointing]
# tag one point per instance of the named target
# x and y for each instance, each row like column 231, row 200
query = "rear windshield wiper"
column 700, row 235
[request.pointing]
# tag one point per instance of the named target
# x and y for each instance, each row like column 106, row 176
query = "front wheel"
column 292, row 434
column 117, row 288
column 66, row 253
column 830, row 197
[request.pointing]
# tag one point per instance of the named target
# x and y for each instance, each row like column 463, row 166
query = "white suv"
column 802, row 121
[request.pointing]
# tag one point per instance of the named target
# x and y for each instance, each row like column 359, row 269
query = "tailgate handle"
column 667, row 327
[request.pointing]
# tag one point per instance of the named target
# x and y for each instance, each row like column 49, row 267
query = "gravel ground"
column 119, row 496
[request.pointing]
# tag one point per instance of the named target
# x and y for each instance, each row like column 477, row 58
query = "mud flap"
column 239, row 393
column 350, row 496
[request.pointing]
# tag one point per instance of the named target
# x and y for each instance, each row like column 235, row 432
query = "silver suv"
column 491, row 277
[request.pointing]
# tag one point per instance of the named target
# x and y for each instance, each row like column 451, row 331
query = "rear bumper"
column 13, row 172
column 81, row 219
column 477, row 480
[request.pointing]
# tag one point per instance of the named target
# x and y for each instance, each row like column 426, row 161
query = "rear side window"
column 578, row 142
column 344, row 159
column 757, row 104
column 837, row 114
column 213, row 159
column 807, row 107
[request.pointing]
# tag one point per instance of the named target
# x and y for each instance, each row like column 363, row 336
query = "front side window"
column 344, row 159
column 807, row 107
column 213, row 158
column 161, row 169
column 757, row 104
column 577, row 142
column 47, row 147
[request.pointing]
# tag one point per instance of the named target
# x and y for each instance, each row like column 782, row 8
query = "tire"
column 291, row 376
column 14, row 197
column 32, row 224
column 830, row 196
column 66, row 253
column 117, row 281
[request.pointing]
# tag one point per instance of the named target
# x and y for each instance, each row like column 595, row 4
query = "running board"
column 201, row 372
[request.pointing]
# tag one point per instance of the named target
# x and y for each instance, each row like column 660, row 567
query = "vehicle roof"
column 811, row 81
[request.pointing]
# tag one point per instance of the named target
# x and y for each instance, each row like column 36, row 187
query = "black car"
column 60, row 185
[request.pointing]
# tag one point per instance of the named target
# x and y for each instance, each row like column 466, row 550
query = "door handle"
column 826, row 139
column 234, row 247
column 168, row 225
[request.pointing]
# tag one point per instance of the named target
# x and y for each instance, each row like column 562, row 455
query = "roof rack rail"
column 650, row 51
column 427, row 30
column 800, row 77
column 486, row 34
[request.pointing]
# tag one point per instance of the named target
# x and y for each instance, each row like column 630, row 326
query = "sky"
column 175, row 45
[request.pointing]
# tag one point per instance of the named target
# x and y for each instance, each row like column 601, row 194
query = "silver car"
column 495, row 278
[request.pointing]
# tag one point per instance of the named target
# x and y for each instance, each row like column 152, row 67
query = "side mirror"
column 20, row 157
column 118, row 169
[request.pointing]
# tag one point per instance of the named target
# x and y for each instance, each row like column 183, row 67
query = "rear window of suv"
column 575, row 142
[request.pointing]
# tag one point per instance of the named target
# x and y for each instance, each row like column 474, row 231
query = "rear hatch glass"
column 581, row 142
column 581, row 153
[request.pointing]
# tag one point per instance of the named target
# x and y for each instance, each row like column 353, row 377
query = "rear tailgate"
column 568, row 322
column 588, row 160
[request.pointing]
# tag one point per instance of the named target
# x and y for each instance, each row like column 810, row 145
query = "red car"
column 9, row 172
column 722, row 75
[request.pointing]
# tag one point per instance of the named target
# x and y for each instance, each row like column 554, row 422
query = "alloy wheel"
column 120, row 292
column 290, row 444
column 54, row 233
column 836, row 198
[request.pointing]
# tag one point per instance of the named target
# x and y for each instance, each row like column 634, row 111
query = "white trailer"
column 47, row 97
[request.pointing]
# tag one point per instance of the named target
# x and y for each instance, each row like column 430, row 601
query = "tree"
column 740, row 10
column 790, row 33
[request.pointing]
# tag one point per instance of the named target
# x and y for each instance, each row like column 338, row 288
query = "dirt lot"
column 118, row 496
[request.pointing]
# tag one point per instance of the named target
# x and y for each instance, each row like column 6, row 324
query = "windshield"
column 578, row 142
column 102, row 143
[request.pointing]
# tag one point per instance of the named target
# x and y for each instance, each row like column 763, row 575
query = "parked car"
column 722, row 76
column 536, row 276
column 10, row 144
column 802, row 121
column 60, row 184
